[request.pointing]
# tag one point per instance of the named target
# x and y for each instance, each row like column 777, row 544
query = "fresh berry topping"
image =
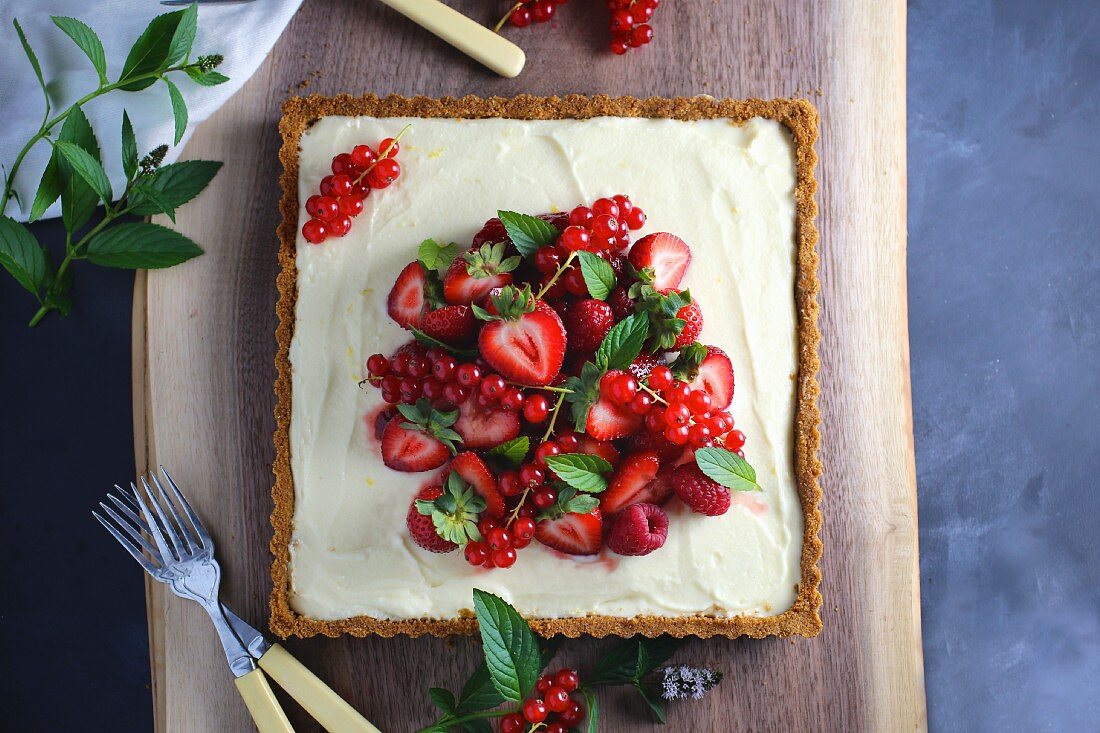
column 419, row 442
column 407, row 300
column 622, row 305
column 700, row 492
column 608, row 420
column 572, row 716
column 422, row 528
column 473, row 470
column 534, row 710
column 485, row 426
column 602, row 448
column 709, row 370
column 478, row 271
column 315, row 231
column 513, row 723
column 587, row 323
column 639, row 529
column 522, row 341
column 630, row 483
column 536, row 409
column 451, row 324
column 568, row 680
column 665, row 255
column 492, row 232
column 556, row 699
column 573, row 534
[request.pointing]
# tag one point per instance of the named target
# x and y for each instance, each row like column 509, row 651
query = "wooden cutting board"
column 204, row 348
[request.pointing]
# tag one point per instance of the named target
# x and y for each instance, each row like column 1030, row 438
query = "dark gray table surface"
column 1004, row 295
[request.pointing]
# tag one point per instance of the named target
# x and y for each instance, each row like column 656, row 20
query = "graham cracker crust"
column 800, row 117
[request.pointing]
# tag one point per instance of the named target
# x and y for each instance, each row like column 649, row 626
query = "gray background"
column 1004, row 293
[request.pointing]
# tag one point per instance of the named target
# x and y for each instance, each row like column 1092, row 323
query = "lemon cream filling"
column 727, row 189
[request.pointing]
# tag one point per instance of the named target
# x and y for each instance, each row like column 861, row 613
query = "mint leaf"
column 582, row 471
column 184, row 36
column 655, row 705
column 435, row 256
column 176, row 184
column 657, row 651
column 22, row 256
column 129, row 147
column 623, row 342
column 78, row 199
column 478, row 693
column 598, row 275
column 512, row 451
column 155, row 49
column 49, row 188
column 87, row 167
column 442, row 699
column 34, row 61
column 140, row 245
column 511, row 649
column 87, row 40
column 432, row 341
column 583, row 393
column 593, row 706
column 527, row 233
column 582, row 504
column 727, row 468
column 179, row 110
column 210, row 78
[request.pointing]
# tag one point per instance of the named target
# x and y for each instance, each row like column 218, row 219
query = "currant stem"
column 550, row 283
column 553, row 418
column 500, row 24
column 653, row 394
column 547, row 387
column 382, row 154
column 515, row 512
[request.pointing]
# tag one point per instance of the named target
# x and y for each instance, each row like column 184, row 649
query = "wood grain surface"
column 204, row 348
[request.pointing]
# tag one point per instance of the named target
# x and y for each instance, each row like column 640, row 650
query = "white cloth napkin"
column 243, row 33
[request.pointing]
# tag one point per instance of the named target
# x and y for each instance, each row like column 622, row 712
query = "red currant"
column 341, row 184
column 624, row 388
column 521, row 17
column 660, row 378
column 655, row 419
column 399, row 364
column 735, row 440
column 390, row 383
column 619, row 46
column 512, row 399
column 544, row 683
column 699, row 435
column 378, row 365
column 531, row 475
column 569, row 442
column 315, row 231
column 543, row 10
column 384, row 172
column 677, row 414
column 362, row 156
column 546, row 450
column 572, row 715
column 326, row 186
column 555, row 727
column 476, row 553
column 326, row 207
column 486, row 525
column 641, row 403
column 635, row 218
column 444, row 368
column 677, row 392
column 536, row 409
column 605, row 227
column 509, row 484
column 342, row 163
column 432, row 388
column 388, row 148
column 493, row 386
column 468, row 375
column 556, row 699
column 548, row 260
column 573, row 279
column 499, row 538
column 568, row 680
column 513, row 723
column 575, row 238
column 641, row 35
column 350, row 205
column 505, row 558
column 339, row 226
column 677, row 434
column 534, row 710
column 418, row 367
column 523, row 528
column 698, row 401
column 555, row 291
column 410, row 389
column 580, row 216
column 544, row 498
column 455, row 394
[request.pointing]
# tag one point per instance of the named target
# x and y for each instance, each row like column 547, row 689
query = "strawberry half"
column 602, row 448
column 408, row 297
column 715, row 376
column 485, row 427
column 572, row 533
column 637, row 480
column 422, row 528
column 610, row 421
column 666, row 255
column 477, row 271
column 451, row 324
column 471, row 468
column 524, row 339
column 411, row 450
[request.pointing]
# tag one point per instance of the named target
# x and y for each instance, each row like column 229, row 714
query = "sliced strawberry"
column 471, row 468
column 665, row 254
column 602, row 448
column 572, row 533
column 451, row 324
column 632, row 483
column 525, row 347
column 411, row 450
column 422, row 528
column 610, row 421
column 648, row 440
column 716, row 377
column 477, row 271
column 407, row 299
column 485, row 427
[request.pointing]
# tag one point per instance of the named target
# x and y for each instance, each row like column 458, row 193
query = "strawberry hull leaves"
column 75, row 172
column 435, row 423
column 455, row 512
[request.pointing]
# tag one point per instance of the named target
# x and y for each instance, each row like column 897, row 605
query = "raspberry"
column 587, row 323
column 621, row 304
column 700, row 492
column 639, row 529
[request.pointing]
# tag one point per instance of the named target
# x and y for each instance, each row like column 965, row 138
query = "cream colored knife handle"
column 329, row 709
column 261, row 702
column 474, row 40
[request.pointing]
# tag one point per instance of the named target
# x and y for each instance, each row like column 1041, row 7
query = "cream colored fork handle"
column 329, row 709
column 261, row 702
column 474, row 40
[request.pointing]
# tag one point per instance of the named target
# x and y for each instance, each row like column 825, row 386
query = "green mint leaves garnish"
column 598, row 275
column 512, row 652
column 511, row 452
column 623, row 343
column 424, row 418
column 584, row 391
column 436, row 256
column 727, row 468
column 582, row 471
column 527, row 233
column 455, row 512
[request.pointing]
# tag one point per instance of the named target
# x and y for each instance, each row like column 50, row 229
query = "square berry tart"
column 563, row 350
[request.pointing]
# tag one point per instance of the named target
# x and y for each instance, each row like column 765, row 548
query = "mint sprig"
column 727, row 468
column 527, row 233
column 622, row 344
column 582, row 471
column 511, row 650
column 511, row 452
column 598, row 275
column 435, row 256
column 75, row 172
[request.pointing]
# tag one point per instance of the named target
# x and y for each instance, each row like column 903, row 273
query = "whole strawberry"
column 587, row 323
column 701, row 493
column 422, row 528
column 639, row 529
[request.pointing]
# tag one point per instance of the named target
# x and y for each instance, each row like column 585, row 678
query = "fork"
column 164, row 534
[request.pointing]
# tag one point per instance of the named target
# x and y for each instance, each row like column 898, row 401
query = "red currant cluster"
column 524, row 12
column 341, row 198
column 498, row 546
column 603, row 228
column 414, row 372
column 551, row 710
column 683, row 415
column 629, row 23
